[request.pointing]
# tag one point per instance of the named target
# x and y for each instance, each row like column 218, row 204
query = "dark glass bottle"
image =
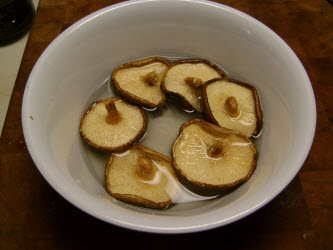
column 15, row 19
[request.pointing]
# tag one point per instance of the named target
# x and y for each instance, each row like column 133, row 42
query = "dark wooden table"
column 34, row 216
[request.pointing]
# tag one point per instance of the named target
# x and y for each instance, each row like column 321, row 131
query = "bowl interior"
column 74, row 70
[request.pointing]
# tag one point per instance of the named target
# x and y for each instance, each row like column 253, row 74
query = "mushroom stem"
column 113, row 117
column 145, row 168
column 151, row 79
column 193, row 82
column 215, row 150
column 231, row 107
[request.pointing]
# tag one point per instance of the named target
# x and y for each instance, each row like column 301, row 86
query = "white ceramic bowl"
column 68, row 74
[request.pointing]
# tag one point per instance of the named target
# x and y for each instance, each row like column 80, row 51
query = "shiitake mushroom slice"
column 112, row 125
column 211, row 160
column 139, row 81
column 234, row 105
column 184, row 79
column 142, row 177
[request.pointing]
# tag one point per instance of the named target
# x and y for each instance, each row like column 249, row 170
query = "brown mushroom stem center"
column 151, row 79
column 215, row 150
column 145, row 169
column 113, row 117
column 193, row 82
column 231, row 107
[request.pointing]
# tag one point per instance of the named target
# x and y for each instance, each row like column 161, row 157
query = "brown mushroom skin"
column 139, row 201
column 183, row 100
column 206, row 189
column 209, row 114
column 113, row 149
column 134, row 199
column 131, row 98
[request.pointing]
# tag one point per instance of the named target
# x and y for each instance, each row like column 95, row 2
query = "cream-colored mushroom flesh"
column 233, row 106
column 209, row 154
column 141, row 172
column 142, row 81
column 175, row 80
column 95, row 127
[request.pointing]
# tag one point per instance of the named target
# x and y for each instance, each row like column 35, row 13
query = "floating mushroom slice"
column 139, row 81
column 112, row 124
column 233, row 104
column 184, row 79
column 212, row 160
column 142, row 177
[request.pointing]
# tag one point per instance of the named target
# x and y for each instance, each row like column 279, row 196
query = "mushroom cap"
column 129, row 80
column 174, row 84
column 101, row 135
column 216, row 92
column 124, row 181
column 233, row 164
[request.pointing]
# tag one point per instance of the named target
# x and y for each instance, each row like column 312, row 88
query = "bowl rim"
column 77, row 197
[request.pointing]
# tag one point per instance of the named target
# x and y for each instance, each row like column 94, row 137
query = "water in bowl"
column 162, row 130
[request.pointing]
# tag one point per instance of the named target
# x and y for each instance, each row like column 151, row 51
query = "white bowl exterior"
column 84, row 55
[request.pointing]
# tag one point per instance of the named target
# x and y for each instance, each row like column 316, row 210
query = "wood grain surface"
column 34, row 216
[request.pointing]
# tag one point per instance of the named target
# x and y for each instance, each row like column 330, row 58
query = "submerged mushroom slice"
column 211, row 160
column 234, row 105
column 139, row 81
column 142, row 177
column 112, row 124
column 184, row 79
